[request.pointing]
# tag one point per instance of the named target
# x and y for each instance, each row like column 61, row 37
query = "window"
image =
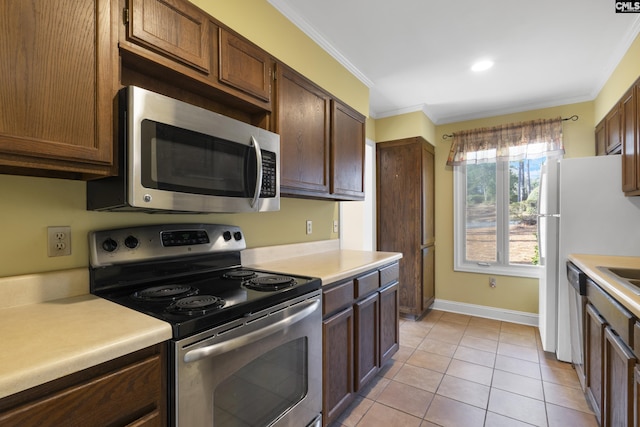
column 495, row 207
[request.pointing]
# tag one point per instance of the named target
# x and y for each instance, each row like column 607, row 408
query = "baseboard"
column 512, row 316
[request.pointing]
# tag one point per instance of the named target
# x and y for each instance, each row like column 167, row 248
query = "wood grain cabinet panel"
column 244, row 66
column 405, row 211
column 337, row 364
column 176, row 28
column 347, row 152
column 127, row 391
column 594, row 358
column 57, row 88
column 389, row 322
column 302, row 120
column 618, row 373
column 367, row 348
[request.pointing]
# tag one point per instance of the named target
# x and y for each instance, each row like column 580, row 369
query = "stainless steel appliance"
column 577, row 300
column 177, row 157
column 247, row 344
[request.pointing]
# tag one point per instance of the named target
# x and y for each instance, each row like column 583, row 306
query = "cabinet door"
column 601, row 149
column 618, row 380
column 636, row 396
column 337, row 364
column 629, row 153
column 399, row 209
column 594, row 358
column 367, row 345
column 302, row 120
column 57, row 88
column 428, row 276
column 389, row 322
column 428, row 195
column 244, row 66
column 175, row 28
column 613, row 132
column 126, row 391
column 347, row 152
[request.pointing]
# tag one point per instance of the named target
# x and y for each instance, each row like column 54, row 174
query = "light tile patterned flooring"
column 463, row 371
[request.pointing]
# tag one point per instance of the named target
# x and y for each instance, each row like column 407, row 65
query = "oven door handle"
column 303, row 310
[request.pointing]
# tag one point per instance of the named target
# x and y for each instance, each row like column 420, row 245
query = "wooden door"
column 618, row 381
column 337, row 364
column 594, row 358
column 367, row 336
column 302, row 120
column 347, row 152
column 57, row 88
column 613, row 131
column 389, row 322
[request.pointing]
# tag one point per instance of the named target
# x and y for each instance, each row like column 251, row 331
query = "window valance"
column 514, row 141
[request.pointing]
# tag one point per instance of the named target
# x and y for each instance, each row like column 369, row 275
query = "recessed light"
column 482, row 65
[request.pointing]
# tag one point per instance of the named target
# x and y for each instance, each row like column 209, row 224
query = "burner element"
column 240, row 274
column 165, row 293
column 196, row 305
column 270, row 283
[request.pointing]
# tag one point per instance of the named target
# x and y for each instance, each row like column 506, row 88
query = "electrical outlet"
column 335, row 226
column 58, row 241
column 492, row 282
column 309, row 226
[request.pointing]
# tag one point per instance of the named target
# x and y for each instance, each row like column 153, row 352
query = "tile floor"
column 464, row 371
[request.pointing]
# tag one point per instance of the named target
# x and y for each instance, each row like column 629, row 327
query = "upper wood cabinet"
column 613, row 131
column 210, row 58
column 601, row 148
column 57, row 88
column 321, row 141
column 347, row 152
column 630, row 106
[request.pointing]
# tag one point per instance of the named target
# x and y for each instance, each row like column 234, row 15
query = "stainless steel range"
column 247, row 344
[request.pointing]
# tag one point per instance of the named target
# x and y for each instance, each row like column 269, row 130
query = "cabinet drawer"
column 389, row 274
column 620, row 319
column 367, row 284
column 337, row 297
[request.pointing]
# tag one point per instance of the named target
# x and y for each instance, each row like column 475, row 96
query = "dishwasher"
column 577, row 300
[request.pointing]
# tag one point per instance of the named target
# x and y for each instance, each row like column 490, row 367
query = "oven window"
column 181, row 160
column 264, row 389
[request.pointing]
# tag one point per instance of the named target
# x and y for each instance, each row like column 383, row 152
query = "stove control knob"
column 131, row 242
column 109, row 245
column 226, row 236
column 237, row 235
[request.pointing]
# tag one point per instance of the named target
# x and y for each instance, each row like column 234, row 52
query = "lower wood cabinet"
column 360, row 333
column 128, row 391
column 618, row 372
column 594, row 358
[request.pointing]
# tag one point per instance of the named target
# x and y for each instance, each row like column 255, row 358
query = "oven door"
column 262, row 370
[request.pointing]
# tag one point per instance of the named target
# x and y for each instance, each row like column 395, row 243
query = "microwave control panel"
column 269, row 172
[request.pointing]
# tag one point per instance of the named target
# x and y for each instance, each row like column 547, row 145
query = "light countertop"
column 47, row 339
column 51, row 326
column 590, row 264
column 330, row 266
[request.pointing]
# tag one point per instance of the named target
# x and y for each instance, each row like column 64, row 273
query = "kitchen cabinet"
column 178, row 44
column 613, row 131
column 130, row 390
column 406, row 222
column 594, row 358
column 321, row 141
column 360, row 333
column 601, row 148
column 609, row 357
column 630, row 153
column 57, row 89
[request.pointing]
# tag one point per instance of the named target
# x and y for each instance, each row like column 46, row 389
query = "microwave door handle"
column 303, row 310
column 256, row 195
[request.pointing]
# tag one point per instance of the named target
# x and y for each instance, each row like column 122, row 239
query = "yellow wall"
column 620, row 80
column 29, row 205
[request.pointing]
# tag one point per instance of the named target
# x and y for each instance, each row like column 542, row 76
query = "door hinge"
column 125, row 15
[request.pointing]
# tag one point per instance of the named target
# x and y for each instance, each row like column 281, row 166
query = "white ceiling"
column 416, row 54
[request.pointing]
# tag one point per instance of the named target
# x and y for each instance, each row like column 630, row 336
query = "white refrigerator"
column 582, row 210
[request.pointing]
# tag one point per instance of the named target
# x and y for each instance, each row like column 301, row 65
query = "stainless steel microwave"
column 176, row 157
